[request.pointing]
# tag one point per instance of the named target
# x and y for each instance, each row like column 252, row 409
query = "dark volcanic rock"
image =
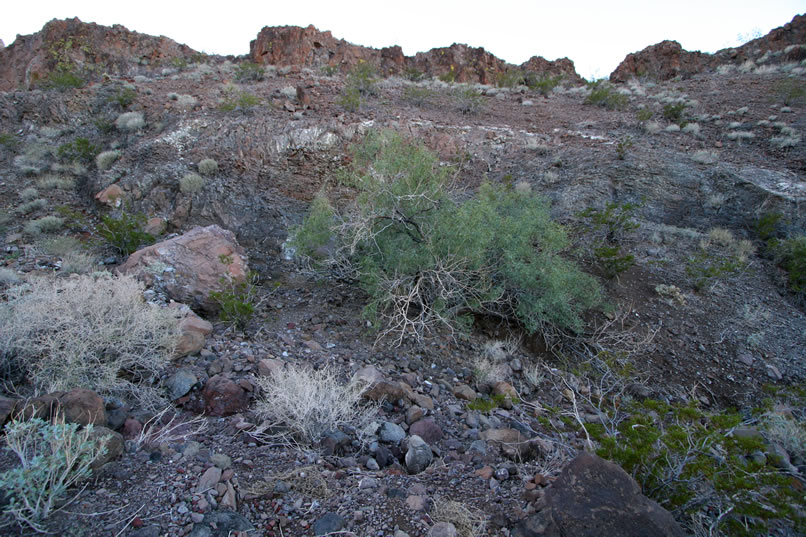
column 594, row 497
column 223, row 397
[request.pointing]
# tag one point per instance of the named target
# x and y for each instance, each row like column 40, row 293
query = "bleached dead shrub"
column 8, row 277
column 468, row 523
column 740, row 135
column 78, row 263
column 692, row 128
column 130, row 121
column 705, row 157
column 105, row 160
column 208, row 167
column 304, row 404
column 46, row 224
column 50, row 182
column 652, row 127
column 92, row 331
column 190, row 183
column 788, row 433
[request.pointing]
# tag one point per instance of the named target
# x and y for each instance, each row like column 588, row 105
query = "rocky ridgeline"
column 668, row 59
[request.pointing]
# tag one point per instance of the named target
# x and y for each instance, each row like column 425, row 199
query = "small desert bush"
column 31, row 206
column 125, row 232
column 94, row 332
column 78, row 263
column 28, row 194
column 705, row 157
column 543, row 84
column 607, row 230
column 79, row 150
column 364, row 78
column 53, row 456
column 8, row 140
column 237, row 301
column 208, row 167
column 59, row 246
column 468, row 522
column 190, row 183
column 105, row 160
column 239, row 101
column 418, row 95
column 603, row 94
column 130, row 121
column 468, row 101
column 510, row 78
column 124, row 96
column 426, row 260
column 674, row 112
column 64, row 79
column 8, row 277
column 719, row 256
column 305, row 404
column 46, row 224
column 249, row 72
column 791, row 255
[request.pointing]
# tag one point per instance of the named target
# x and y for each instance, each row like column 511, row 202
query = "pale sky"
column 595, row 34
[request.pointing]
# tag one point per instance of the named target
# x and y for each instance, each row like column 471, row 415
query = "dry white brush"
column 90, row 331
column 299, row 405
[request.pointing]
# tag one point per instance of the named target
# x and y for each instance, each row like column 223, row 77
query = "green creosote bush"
column 791, row 256
column 673, row 112
column 249, row 72
column 190, row 183
column 237, row 300
column 610, row 227
column 543, row 84
column 93, row 331
column 689, row 460
column 240, row 101
column 46, row 224
column 53, row 457
column 361, row 82
column 63, row 79
column 604, row 95
column 124, row 97
column 510, row 78
column 350, row 99
column 468, row 101
column 449, row 77
column 79, row 150
column 125, row 232
column 418, row 95
column 105, row 159
column 426, row 260
column 644, row 114
column 208, row 167
column 622, row 146
column 718, row 256
column 413, row 74
column 8, row 140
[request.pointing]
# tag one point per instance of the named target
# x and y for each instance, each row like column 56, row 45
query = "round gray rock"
column 418, row 456
column 391, row 433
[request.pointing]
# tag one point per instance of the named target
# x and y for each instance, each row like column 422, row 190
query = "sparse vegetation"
column 719, row 255
column 249, row 72
column 130, row 121
column 604, row 95
column 239, row 101
column 124, row 97
column 49, row 182
column 543, row 84
column 46, row 224
column 609, row 228
column 237, row 300
column 673, row 112
column 79, row 150
column 105, row 160
column 467, row 100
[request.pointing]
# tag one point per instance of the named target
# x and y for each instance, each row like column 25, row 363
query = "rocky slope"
column 434, row 463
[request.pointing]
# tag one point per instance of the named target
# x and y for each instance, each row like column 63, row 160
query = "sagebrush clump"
column 427, row 260
column 105, row 160
column 208, row 167
column 190, row 183
column 92, row 331
column 130, row 121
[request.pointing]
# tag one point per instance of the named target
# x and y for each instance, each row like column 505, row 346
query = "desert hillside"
column 326, row 289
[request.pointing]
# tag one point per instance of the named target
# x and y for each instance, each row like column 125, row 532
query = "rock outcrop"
column 594, row 497
column 309, row 47
column 87, row 48
column 668, row 59
column 189, row 267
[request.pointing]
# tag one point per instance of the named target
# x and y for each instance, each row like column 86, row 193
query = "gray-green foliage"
column 208, row 167
column 53, row 457
column 426, row 259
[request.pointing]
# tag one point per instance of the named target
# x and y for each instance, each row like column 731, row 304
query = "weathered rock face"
column 662, row 61
column 594, row 497
column 308, row 47
column 86, row 47
column 667, row 59
column 189, row 267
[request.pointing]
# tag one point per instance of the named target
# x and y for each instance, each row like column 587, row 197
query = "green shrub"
column 488, row 404
column 719, row 255
column 604, row 95
column 190, row 183
column 237, row 300
column 449, row 77
column 53, row 457
column 426, row 260
column 124, row 97
column 105, row 160
column 313, row 235
column 364, row 78
column 79, row 150
column 510, row 78
column 622, row 146
column 242, row 101
column 28, row 194
column 208, row 167
column 543, row 84
column 350, row 99
column 790, row 91
column 8, row 140
column 46, row 224
column 644, row 114
column 417, row 95
column 330, row 70
column 791, row 255
column 413, row 74
column 125, row 232
column 93, row 331
column 609, row 227
column 687, row 460
column 674, row 112
column 64, row 79
column 249, row 72
column 468, row 101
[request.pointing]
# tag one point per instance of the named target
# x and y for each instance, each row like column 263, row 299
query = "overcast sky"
column 595, row 34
